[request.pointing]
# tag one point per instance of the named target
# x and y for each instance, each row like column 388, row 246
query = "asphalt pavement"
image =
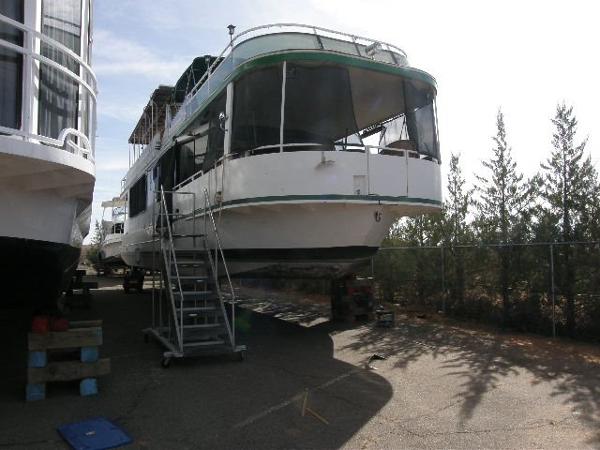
column 439, row 386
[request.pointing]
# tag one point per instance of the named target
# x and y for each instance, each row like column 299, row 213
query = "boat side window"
column 192, row 151
column 257, row 110
column 216, row 135
column 137, row 197
column 420, row 118
column 185, row 161
column 11, row 66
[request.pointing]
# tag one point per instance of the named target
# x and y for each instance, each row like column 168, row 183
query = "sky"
column 521, row 56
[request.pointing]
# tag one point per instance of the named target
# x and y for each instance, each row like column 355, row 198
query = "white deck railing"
column 298, row 37
column 86, row 80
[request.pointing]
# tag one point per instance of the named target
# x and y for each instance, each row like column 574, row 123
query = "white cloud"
column 115, row 55
column 125, row 111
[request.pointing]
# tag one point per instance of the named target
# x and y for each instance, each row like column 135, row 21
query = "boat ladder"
column 190, row 315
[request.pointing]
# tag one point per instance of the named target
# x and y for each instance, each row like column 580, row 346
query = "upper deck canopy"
column 153, row 117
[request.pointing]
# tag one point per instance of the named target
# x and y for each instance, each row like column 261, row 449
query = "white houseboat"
column 113, row 227
column 47, row 127
column 310, row 144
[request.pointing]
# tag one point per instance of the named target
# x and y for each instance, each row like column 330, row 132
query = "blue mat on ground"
column 94, row 434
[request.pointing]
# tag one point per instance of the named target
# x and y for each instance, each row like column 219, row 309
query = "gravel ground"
column 440, row 386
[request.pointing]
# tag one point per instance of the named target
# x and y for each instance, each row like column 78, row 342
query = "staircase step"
column 191, row 235
column 191, row 293
column 198, row 310
column 188, row 262
column 214, row 342
column 197, row 278
column 204, row 326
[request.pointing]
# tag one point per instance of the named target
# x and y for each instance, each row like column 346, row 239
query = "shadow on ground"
column 483, row 360
column 204, row 403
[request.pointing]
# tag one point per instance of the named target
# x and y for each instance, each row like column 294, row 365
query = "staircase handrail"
column 178, row 326
column 208, row 210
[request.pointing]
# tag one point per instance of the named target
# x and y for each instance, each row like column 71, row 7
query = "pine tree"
column 569, row 188
column 503, row 207
column 457, row 230
column 93, row 254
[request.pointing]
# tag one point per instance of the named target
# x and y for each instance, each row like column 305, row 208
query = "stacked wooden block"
column 66, row 356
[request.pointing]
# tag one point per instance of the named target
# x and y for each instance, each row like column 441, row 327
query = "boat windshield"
column 332, row 107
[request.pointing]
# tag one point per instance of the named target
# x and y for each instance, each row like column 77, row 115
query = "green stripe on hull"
column 321, row 198
column 335, row 197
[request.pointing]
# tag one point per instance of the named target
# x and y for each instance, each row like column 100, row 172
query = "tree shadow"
column 205, row 402
column 483, row 360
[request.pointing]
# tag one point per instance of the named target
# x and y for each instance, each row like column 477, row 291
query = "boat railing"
column 280, row 37
column 311, row 146
column 85, row 79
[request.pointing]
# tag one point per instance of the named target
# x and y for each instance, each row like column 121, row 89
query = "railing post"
column 282, row 112
column 443, row 280
column 368, row 151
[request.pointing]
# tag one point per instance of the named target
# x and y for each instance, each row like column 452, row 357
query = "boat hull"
column 304, row 240
column 35, row 272
column 45, row 210
column 110, row 252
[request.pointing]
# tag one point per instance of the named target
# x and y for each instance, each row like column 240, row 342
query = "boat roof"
column 154, row 112
column 192, row 75
column 264, row 45
column 116, row 202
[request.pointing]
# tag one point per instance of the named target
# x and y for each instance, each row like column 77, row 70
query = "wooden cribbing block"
column 85, row 323
column 75, row 337
column 68, row 371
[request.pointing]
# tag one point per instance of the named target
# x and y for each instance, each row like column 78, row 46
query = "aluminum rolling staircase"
column 190, row 316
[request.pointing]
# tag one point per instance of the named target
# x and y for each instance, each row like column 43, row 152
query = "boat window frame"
column 138, row 196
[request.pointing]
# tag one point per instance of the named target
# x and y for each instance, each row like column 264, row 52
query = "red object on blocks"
column 40, row 324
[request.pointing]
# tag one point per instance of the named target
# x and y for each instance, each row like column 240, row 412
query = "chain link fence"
column 547, row 288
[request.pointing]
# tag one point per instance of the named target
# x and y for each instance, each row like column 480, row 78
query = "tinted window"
column 59, row 94
column 137, row 197
column 216, row 135
column 11, row 66
column 318, row 105
column 257, row 109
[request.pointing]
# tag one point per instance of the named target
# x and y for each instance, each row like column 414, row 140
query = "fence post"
column 443, row 281
column 552, row 289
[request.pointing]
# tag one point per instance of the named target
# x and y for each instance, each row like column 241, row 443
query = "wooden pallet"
column 47, row 363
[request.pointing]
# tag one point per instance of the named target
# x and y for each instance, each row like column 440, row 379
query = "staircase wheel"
column 165, row 362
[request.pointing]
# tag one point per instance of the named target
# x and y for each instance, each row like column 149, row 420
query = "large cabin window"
column 59, row 94
column 11, row 66
column 257, row 109
column 319, row 106
column 138, row 196
column 335, row 107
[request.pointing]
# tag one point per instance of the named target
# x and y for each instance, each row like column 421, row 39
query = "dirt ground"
column 442, row 384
